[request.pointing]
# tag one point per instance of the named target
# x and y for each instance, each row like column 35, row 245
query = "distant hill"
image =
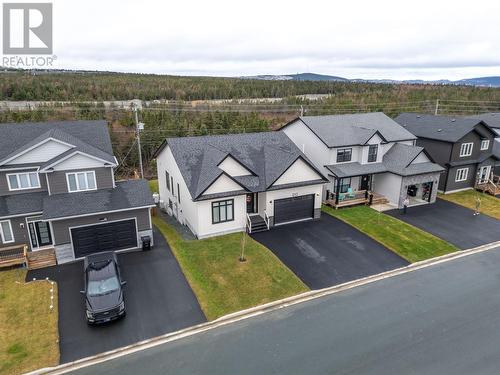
column 493, row 81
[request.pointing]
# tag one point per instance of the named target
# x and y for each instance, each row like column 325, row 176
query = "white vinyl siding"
column 466, row 149
column 485, row 144
column 23, row 181
column 81, row 181
column 462, row 174
column 6, row 231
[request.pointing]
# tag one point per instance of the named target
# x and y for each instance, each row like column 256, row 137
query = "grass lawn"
column 28, row 329
column 489, row 204
column 411, row 243
column 220, row 281
column 153, row 185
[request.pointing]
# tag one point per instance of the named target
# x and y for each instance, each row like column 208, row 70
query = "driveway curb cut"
column 256, row 311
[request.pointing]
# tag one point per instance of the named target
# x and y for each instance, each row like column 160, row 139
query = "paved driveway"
column 453, row 223
column 326, row 252
column 158, row 299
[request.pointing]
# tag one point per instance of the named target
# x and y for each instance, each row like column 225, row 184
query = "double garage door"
column 104, row 237
column 292, row 209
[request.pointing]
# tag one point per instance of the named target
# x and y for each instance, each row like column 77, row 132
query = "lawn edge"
column 390, row 247
column 441, row 195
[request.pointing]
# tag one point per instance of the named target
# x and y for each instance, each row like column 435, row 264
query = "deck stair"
column 258, row 224
column 490, row 186
column 41, row 258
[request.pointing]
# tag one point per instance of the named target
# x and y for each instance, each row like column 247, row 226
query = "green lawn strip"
column 411, row 243
column 28, row 329
column 490, row 205
column 153, row 186
column 220, row 281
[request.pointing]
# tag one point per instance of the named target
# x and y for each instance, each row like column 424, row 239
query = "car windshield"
column 104, row 286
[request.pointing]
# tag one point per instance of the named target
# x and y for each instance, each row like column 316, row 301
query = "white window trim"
column 78, row 190
column 485, row 142
column 19, row 183
column 465, row 147
column 465, row 174
column 2, row 235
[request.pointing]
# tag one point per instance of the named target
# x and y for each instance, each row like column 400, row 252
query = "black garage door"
column 295, row 208
column 104, row 237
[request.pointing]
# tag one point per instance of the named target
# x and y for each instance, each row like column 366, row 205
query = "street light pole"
column 138, row 127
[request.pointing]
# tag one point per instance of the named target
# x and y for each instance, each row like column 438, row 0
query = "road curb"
column 256, row 311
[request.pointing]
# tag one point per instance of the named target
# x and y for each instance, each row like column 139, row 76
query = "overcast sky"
column 354, row 39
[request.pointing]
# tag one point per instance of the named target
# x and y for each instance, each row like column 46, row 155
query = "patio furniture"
column 350, row 193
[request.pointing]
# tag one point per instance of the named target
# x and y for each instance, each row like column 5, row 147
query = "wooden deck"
column 13, row 255
column 491, row 186
column 358, row 199
column 41, row 258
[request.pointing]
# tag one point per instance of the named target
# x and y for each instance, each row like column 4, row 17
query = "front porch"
column 355, row 198
column 489, row 185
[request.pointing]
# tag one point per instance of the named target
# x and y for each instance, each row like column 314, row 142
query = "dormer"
column 233, row 168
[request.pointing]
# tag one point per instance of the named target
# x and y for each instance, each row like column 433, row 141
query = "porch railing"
column 13, row 255
column 249, row 224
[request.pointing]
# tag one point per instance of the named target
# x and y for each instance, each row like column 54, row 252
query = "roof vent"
column 452, row 120
column 440, row 130
column 418, row 116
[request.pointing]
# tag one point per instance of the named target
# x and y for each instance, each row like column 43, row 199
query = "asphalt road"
column 443, row 319
column 327, row 251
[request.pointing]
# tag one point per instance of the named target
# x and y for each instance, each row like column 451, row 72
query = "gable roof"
column 354, row 129
column 268, row 155
column 492, row 119
column 89, row 137
column 397, row 160
column 442, row 128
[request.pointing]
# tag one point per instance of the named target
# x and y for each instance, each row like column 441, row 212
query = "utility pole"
column 437, row 107
column 138, row 127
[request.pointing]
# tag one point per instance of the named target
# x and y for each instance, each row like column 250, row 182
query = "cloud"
column 392, row 39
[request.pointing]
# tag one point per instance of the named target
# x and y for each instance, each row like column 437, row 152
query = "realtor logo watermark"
column 27, row 30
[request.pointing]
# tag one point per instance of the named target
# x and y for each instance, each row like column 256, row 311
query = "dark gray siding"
column 439, row 151
column 471, row 178
column 20, row 234
column 61, row 227
column 4, row 185
column 58, row 183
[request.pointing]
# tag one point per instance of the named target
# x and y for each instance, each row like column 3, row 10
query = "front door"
column 484, row 174
column 251, row 203
column 40, row 234
column 365, row 182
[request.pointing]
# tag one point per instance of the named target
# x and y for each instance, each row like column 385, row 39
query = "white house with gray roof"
column 364, row 154
column 58, row 191
column 229, row 183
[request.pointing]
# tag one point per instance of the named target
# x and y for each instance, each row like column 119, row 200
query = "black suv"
column 103, row 288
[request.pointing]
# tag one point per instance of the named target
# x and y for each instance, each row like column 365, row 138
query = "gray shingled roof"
column 492, row 118
column 442, row 128
column 397, row 160
column 267, row 155
column 91, row 137
column 126, row 195
column 19, row 204
column 355, row 129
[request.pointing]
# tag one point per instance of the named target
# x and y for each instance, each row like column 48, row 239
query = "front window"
column 462, row 174
column 81, row 181
column 22, row 181
column 372, row 153
column 344, row 154
column 485, row 144
column 466, row 149
column 345, row 184
column 222, row 211
column 6, row 232
column 103, row 286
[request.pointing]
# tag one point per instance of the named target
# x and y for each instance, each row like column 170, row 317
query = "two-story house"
column 366, row 153
column 58, row 191
column 493, row 120
column 230, row 183
column 463, row 146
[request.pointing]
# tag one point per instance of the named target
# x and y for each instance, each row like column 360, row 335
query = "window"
column 466, row 149
column 462, row 174
column 178, row 193
column 81, row 181
column 344, row 154
column 167, row 177
column 172, row 185
column 372, row 153
column 485, row 144
column 345, row 184
column 222, row 211
column 22, row 181
column 6, row 232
